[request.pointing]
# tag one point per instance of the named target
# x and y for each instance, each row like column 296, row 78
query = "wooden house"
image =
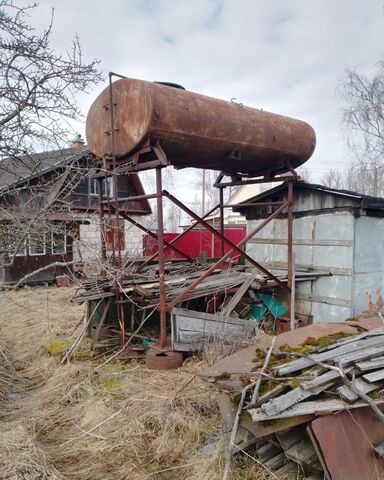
column 49, row 214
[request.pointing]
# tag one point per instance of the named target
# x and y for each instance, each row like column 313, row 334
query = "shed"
column 335, row 231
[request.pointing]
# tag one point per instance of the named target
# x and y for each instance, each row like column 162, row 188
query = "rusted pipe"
column 160, row 243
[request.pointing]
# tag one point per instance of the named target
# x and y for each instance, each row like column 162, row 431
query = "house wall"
column 322, row 242
column 368, row 288
column 26, row 264
column 87, row 248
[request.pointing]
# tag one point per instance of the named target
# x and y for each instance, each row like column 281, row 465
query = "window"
column 22, row 250
column 94, row 186
column 37, row 245
column 59, row 243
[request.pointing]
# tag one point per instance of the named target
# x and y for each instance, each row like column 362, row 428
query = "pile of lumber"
column 143, row 288
column 296, row 396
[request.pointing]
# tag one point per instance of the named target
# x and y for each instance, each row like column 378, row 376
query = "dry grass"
column 73, row 421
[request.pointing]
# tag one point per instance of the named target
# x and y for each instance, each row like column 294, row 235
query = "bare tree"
column 304, row 173
column 37, row 84
column 363, row 116
column 38, row 87
column 333, row 178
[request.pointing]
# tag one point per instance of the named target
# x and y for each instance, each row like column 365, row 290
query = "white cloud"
column 282, row 56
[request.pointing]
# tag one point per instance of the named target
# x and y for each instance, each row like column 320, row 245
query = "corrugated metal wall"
column 321, row 242
column 368, row 264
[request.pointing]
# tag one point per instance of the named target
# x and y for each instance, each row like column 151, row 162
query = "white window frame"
column 23, row 250
column 65, row 243
column 37, row 254
column 93, row 187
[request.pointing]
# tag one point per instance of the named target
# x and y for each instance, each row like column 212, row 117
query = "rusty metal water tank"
column 195, row 130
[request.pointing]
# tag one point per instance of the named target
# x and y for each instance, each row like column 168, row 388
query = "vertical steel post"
column 115, row 228
column 103, row 247
column 290, row 246
column 203, row 193
column 221, row 200
column 160, row 246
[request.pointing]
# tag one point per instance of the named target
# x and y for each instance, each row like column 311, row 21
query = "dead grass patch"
column 121, row 421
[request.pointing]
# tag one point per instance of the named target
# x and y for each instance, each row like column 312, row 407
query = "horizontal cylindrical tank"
column 195, row 130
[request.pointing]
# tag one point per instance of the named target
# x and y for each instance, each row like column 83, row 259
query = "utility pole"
column 203, row 194
column 375, row 186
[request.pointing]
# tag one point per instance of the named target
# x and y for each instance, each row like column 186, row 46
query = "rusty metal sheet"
column 195, row 130
column 344, row 443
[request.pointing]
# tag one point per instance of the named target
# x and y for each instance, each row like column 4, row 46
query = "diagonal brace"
column 152, row 234
column 224, row 239
column 213, row 267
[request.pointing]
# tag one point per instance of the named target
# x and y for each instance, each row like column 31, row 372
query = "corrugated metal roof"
column 366, row 201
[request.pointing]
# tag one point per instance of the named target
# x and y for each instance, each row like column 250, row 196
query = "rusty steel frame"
column 222, row 238
column 153, row 235
column 116, row 259
column 133, row 165
column 169, row 244
column 216, row 265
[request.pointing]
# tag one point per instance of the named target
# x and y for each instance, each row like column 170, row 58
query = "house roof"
column 366, row 201
column 14, row 171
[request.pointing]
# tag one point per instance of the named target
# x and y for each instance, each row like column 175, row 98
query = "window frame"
column 93, row 187
column 23, row 249
column 37, row 254
column 65, row 242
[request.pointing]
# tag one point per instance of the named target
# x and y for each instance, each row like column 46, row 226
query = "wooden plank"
column 185, row 313
column 208, row 326
column 304, row 455
column 287, row 472
column 322, row 379
column 279, row 404
column 264, row 429
column 227, row 310
column 271, row 394
column 327, row 355
column 275, row 462
column 267, row 451
column 349, row 396
column 101, row 322
column 374, row 376
column 371, row 364
column 358, row 355
column 195, row 328
column 291, row 437
column 309, row 408
column 354, row 338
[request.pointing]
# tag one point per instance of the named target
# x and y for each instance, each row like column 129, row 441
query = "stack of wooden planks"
column 143, row 287
column 323, row 377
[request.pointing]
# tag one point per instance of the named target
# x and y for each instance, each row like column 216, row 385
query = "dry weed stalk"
column 122, row 421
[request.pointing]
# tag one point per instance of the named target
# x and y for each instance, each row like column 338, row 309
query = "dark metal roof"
column 366, row 201
column 14, row 171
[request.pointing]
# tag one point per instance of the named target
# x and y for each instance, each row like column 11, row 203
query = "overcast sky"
column 285, row 56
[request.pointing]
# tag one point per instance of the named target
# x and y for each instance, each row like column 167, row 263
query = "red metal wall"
column 195, row 242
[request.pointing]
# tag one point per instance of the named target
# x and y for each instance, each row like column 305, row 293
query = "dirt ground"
column 86, row 421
